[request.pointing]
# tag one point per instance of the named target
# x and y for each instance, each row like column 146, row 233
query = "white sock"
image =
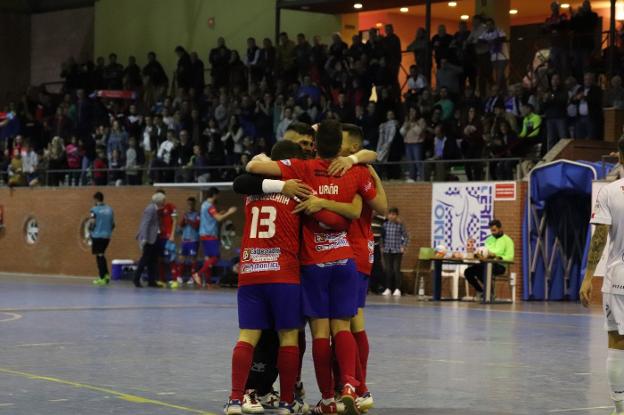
column 615, row 374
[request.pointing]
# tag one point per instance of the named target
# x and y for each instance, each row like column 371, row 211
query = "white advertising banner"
column 459, row 212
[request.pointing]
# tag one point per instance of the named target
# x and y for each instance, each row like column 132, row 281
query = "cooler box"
column 121, row 267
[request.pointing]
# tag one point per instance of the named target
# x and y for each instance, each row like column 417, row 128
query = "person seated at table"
column 499, row 246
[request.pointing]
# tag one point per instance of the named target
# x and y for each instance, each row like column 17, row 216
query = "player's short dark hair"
column 394, row 210
column 283, row 150
column 213, row 191
column 301, row 128
column 354, row 132
column 191, row 199
column 160, row 191
column 329, row 139
column 98, row 196
column 495, row 222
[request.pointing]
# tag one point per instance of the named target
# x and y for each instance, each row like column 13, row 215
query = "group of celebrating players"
column 306, row 255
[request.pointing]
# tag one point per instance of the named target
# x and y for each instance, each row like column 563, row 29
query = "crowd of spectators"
column 116, row 124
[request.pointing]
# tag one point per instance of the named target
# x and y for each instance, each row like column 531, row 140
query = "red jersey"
column 362, row 240
column 165, row 216
column 322, row 245
column 270, row 245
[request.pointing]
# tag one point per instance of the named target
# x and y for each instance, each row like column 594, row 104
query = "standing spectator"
column 465, row 56
column 589, row 101
column 16, row 171
column 388, row 131
column 303, row 53
column 394, row 241
column 155, row 74
column 494, row 98
column 287, row 119
column 101, row 225
column 414, row 131
column 573, row 88
column 556, row 27
column 446, row 104
column 514, row 102
column 133, row 175
column 219, row 59
column 74, row 160
column 55, row 155
column 184, row 154
column 166, row 157
column 30, row 163
column 584, row 25
column 184, row 72
column 233, row 140
column 472, row 148
column 444, row 148
column 100, row 168
column 448, row 77
column 481, row 54
column 419, row 48
column 555, row 105
column 113, row 73
column 392, row 47
column 504, row 140
column 441, row 44
column 117, row 140
column 147, row 237
column 236, row 72
column 252, row 61
column 499, row 51
column 197, row 72
column 268, row 59
column 132, row 75
column 286, row 59
column 614, row 96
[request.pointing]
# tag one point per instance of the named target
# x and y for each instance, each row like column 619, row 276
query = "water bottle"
column 421, row 287
column 67, row 180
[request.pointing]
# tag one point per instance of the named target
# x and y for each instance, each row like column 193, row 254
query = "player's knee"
column 358, row 322
column 616, row 340
column 250, row 336
column 289, row 337
column 338, row 325
column 320, row 328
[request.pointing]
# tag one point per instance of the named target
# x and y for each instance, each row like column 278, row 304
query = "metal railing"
column 485, row 169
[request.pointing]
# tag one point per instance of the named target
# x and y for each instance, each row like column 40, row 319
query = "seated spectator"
column 74, row 160
column 530, row 135
column 416, row 81
column 30, row 164
column 448, row 76
column 589, row 102
column 117, row 140
column 184, row 153
column 165, row 159
column 472, row 147
column 286, row 120
column 502, row 116
column 501, row 146
column 132, row 166
column 116, row 166
column 445, row 104
column 388, row 132
column 16, row 171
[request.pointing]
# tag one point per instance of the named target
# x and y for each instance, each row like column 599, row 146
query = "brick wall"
column 60, row 213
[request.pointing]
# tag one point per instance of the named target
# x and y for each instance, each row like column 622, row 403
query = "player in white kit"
column 608, row 219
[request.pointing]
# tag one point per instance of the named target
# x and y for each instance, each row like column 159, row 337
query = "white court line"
column 559, row 411
column 12, row 317
column 6, row 404
column 58, row 400
column 43, row 344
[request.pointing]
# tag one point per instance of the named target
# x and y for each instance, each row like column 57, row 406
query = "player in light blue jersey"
column 190, row 240
column 210, row 218
column 101, row 225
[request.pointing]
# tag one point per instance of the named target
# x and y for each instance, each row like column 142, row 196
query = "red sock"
column 287, row 365
column 193, row 266
column 322, row 356
column 345, row 352
column 302, row 350
column 176, row 270
column 362, row 389
column 242, row 358
column 206, row 269
column 335, row 367
column 361, row 339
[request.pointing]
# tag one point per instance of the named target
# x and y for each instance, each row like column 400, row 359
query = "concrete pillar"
column 497, row 10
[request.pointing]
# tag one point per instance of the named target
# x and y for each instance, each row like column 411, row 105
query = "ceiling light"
column 404, row 9
column 513, row 11
column 565, row 6
column 379, row 24
column 452, row 4
column 464, row 17
column 358, row 6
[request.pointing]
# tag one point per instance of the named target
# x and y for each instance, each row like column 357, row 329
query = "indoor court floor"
column 70, row 348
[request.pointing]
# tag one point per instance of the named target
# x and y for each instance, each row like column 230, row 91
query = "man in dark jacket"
column 444, row 148
column 197, row 73
column 184, row 73
column 154, row 72
column 589, row 101
column 220, row 60
column 555, row 111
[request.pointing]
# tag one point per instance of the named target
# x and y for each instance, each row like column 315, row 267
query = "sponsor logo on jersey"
column 261, row 254
column 328, row 189
column 286, row 162
column 261, row 267
column 325, row 241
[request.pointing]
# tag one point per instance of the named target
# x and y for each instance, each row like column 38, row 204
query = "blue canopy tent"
column 556, row 230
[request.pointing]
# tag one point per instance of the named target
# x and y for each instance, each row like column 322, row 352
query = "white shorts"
column 613, row 308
